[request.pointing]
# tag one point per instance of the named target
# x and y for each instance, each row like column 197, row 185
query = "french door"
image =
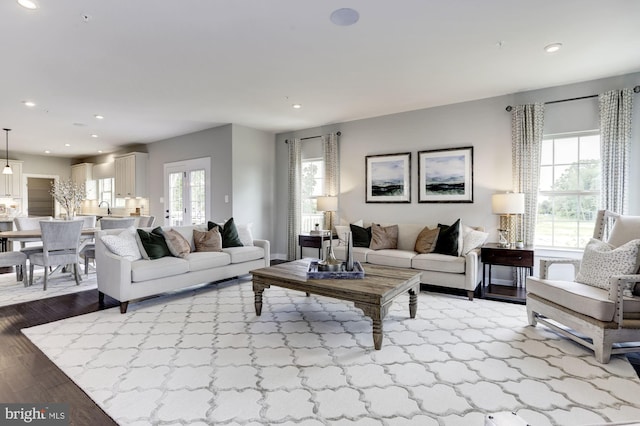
column 187, row 192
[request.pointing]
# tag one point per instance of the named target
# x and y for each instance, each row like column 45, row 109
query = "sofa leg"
column 531, row 316
column 470, row 295
column 123, row 307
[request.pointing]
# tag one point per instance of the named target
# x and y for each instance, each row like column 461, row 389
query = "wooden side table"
column 492, row 254
column 313, row 241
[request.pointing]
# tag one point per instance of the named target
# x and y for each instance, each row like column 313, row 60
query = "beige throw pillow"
column 384, row 237
column 207, row 240
column 426, row 241
column 178, row 245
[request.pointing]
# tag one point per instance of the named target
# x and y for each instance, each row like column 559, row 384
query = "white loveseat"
column 458, row 272
column 126, row 280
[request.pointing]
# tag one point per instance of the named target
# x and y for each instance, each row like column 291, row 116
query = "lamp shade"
column 327, row 204
column 509, row 203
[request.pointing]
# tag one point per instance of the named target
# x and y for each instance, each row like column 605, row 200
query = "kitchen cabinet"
column 11, row 185
column 131, row 175
column 83, row 174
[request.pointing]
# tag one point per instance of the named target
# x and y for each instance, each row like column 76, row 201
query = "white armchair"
column 599, row 316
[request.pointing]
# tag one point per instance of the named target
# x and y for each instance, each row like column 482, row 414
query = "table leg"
column 258, row 289
column 377, row 314
column 413, row 302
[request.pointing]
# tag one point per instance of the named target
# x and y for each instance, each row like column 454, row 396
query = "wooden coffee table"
column 373, row 294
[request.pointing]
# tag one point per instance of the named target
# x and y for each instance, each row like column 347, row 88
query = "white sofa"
column 126, row 280
column 459, row 272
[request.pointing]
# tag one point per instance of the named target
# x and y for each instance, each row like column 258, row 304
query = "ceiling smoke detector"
column 345, row 17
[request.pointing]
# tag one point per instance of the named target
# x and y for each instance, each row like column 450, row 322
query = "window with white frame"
column 105, row 191
column 569, row 190
column 312, row 187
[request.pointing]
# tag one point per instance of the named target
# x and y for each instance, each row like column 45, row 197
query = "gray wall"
column 483, row 124
column 215, row 143
column 253, row 179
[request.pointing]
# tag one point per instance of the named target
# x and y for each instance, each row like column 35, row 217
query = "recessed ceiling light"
column 67, row 144
column 28, row 4
column 94, row 136
column 99, row 151
column 98, row 116
column 29, row 104
column 553, row 47
column 47, row 151
column 344, row 17
column 296, row 106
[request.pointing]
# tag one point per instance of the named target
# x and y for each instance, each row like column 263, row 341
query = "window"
column 105, row 191
column 569, row 191
column 312, row 186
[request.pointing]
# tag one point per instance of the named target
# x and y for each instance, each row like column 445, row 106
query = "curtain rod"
column 312, row 137
column 636, row 89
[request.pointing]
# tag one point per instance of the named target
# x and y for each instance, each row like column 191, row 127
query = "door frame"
column 188, row 164
column 25, row 191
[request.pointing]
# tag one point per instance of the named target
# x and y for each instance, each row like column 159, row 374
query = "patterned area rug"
column 203, row 357
column 12, row 292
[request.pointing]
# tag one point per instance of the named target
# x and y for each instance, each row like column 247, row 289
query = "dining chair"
column 116, row 222
column 88, row 247
column 60, row 247
column 26, row 224
column 146, row 221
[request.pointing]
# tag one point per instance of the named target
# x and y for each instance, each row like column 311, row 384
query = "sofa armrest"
column 619, row 288
column 113, row 272
column 546, row 262
column 472, row 262
column 266, row 246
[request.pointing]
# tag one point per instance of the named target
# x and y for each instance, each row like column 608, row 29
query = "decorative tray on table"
column 342, row 274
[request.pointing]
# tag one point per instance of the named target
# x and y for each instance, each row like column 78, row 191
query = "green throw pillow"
column 229, row 233
column 361, row 236
column 154, row 243
column 447, row 242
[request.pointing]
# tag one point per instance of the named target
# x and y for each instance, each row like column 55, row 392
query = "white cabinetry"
column 131, row 175
column 11, row 185
column 83, row 174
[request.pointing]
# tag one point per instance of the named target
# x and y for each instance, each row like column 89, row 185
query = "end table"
column 492, row 254
column 313, row 241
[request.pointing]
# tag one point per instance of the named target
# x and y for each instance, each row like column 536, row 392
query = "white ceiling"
column 161, row 68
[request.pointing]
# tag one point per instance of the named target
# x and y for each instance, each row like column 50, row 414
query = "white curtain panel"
column 295, row 209
column 615, row 137
column 526, row 139
column 331, row 168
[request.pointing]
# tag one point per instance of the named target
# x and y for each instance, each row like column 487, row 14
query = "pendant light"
column 7, row 169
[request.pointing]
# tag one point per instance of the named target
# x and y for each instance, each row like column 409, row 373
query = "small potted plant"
column 519, row 244
column 316, row 226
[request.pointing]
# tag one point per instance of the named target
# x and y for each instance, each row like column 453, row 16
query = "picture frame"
column 445, row 175
column 388, row 178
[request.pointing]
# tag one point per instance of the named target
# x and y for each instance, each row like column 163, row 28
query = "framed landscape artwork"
column 446, row 175
column 388, row 178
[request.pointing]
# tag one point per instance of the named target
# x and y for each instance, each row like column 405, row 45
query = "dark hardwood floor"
column 27, row 375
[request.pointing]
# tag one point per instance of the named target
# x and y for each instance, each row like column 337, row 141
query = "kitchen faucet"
column 108, row 208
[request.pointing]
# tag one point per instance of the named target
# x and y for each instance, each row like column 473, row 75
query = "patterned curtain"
column 295, row 209
column 615, row 137
column 526, row 146
column 331, row 168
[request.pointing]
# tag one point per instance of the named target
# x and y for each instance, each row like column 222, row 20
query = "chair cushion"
column 244, row 254
column 11, row 258
column 200, row 260
column 391, row 257
column 625, row 229
column 601, row 261
column 439, row 263
column 144, row 270
column 585, row 299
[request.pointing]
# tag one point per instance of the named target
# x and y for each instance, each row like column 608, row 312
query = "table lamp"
column 507, row 205
column 328, row 204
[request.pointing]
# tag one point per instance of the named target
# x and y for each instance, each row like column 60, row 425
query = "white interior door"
column 187, row 189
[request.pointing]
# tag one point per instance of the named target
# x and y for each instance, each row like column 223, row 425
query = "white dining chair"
column 60, row 247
